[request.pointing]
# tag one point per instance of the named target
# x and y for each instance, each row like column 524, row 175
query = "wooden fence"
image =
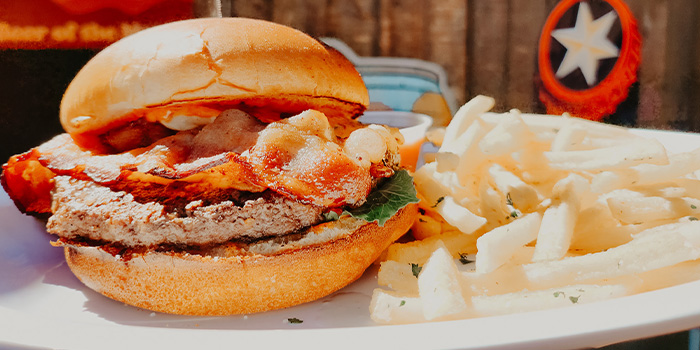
column 490, row 46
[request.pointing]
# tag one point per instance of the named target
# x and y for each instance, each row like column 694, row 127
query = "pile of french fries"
column 523, row 212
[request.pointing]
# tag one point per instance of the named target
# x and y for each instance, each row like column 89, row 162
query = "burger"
column 215, row 167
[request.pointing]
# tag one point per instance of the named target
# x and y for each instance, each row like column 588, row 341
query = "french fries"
column 615, row 157
column 650, row 249
column 523, row 212
column 559, row 219
column 489, row 305
column 497, row 246
column 439, row 287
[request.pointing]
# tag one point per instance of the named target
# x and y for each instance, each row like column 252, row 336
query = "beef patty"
column 85, row 210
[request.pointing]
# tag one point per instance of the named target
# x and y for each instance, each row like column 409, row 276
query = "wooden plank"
column 670, row 64
column 447, row 42
column 307, row 16
column 550, row 5
column 653, row 17
column 210, row 8
column 385, row 24
column 526, row 19
column 679, row 61
column 261, row 9
column 694, row 111
column 402, row 28
column 488, row 49
column 355, row 22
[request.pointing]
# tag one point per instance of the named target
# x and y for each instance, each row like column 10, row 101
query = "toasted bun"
column 214, row 63
column 265, row 278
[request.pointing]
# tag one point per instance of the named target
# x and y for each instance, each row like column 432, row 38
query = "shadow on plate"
column 348, row 307
column 25, row 252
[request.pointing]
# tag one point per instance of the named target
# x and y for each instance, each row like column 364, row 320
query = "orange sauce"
column 409, row 154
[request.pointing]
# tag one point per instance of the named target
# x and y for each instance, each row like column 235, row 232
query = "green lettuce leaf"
column 392, row 195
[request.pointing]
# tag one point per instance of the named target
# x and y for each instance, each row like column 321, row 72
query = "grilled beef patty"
column 85, row 210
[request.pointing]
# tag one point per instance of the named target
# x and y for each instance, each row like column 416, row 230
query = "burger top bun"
column 199, row 67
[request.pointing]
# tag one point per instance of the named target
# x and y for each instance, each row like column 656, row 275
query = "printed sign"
column 589, row 53
column 72, row 24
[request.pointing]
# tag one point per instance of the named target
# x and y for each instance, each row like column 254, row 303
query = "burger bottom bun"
column 240, row 282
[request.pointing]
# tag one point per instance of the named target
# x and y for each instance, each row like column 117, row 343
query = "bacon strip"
column 297, row 157
column 28, row 183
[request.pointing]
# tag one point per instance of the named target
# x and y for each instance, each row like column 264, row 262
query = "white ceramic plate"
column 43, row 305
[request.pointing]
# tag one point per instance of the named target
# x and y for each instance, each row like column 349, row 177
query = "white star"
column 586, row 43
